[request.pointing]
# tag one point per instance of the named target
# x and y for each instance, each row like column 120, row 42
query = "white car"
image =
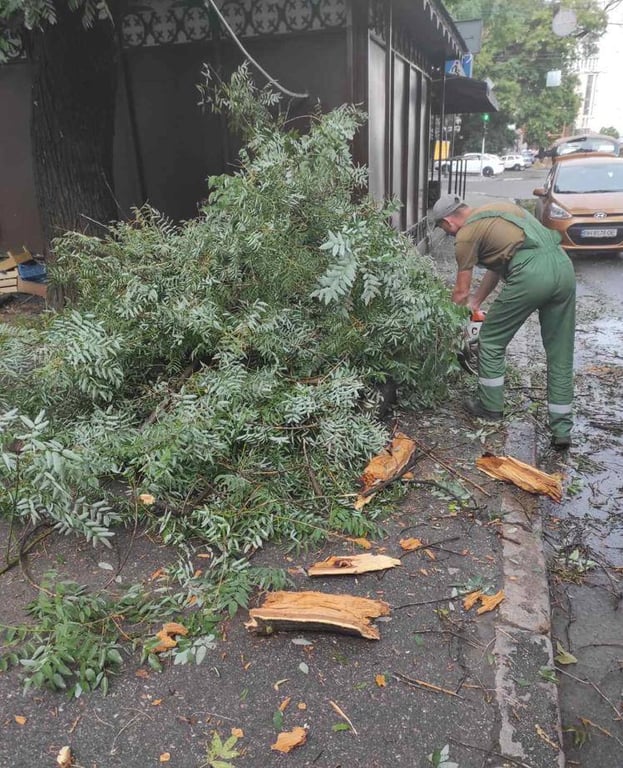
column 472, row 162
column 513, row 162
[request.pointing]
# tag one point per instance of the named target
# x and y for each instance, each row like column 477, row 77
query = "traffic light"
column 485, row 117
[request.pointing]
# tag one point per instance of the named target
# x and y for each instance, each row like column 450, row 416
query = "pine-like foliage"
column 227, row 366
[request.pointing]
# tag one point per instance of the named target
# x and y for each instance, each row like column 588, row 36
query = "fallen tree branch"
column 451, row 469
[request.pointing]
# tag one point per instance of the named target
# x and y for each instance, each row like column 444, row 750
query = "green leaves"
column 518, row 48
column 228, row 367
column 220, row 752
column 440, row 758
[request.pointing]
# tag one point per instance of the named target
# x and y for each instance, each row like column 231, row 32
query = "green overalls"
column 539, row 276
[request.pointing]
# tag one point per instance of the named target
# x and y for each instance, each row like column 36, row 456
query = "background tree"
column 609, row 131
column 72, row 47
column 518, row 49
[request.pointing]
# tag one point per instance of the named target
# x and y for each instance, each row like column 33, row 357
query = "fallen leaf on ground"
column 469, row 600
column 288, row 740
column 522, row 475
column 387, row 466
column 166, row 636
column 64, row 758
column 362, row 542
column 285, row 703
column 237, row 732
column 410, row 545
column 20, row 719
column 141, row 673
column 489, row 602
column 564, row 657
column 165, row 757
column 147, row 499
column 301, row 705
column 338, row 565
column 279, row 683
column 380, row 681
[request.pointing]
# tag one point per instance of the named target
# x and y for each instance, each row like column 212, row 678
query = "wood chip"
column 387, row 466
column 341, row 565
column 301, row 611
column 522, row 475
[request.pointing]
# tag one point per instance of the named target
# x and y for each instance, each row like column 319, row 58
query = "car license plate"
column 598, row 233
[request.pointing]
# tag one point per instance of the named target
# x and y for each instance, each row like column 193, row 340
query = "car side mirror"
column 539, row 192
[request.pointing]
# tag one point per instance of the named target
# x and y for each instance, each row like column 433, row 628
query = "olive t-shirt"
column 489, row 242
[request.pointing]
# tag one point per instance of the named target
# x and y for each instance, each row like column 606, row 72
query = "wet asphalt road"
column 584, row 534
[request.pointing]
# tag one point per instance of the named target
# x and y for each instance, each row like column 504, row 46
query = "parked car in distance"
column 528, row 157
column 513, row 162
column 583, row 200
column 472, row 162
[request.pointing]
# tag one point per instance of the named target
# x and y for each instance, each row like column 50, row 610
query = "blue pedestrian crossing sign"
column 461, row 67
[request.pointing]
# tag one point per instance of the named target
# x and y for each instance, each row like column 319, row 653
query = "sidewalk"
column 439, row 675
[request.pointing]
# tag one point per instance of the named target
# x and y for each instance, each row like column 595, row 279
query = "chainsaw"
column 469, row 345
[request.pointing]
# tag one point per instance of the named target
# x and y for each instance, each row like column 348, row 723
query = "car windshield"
column 586, row 145
column 586, row 178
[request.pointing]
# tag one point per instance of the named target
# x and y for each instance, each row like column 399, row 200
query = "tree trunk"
column 74, row 79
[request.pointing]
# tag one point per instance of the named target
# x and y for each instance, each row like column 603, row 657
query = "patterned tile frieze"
column 161, row 22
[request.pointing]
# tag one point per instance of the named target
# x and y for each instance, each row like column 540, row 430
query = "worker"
column 511, row 244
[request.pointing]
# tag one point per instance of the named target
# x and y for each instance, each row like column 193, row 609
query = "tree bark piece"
column 522, row 475
column 389, row 465
column 299, row 611
column 343, row 565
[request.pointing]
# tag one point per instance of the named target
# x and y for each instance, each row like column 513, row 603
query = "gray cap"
column 445, row 206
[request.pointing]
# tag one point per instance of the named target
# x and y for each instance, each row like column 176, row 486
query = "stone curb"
column 530, row 724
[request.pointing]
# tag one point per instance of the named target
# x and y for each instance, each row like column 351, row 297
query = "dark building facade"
column 385, row 55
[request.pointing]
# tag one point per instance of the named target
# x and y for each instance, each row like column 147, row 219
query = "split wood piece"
column 522, row 475
column 299, row 611
column 343, row 565
column 387, row 466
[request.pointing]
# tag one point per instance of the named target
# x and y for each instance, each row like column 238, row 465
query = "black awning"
column 463, row 95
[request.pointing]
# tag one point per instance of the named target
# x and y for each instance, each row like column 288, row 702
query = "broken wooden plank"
column 522, row 475
column 300, row 611
column 343, row 565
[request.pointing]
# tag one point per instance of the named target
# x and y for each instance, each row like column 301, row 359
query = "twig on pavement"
column 450, row 468
column 424, row 685
column 343, row 714
column 594, row 686
column 513, row 760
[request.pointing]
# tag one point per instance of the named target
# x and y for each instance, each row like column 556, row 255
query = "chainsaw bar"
column 468, row 358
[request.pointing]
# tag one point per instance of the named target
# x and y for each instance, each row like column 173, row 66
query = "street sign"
column 454, row 67
column 467, row 62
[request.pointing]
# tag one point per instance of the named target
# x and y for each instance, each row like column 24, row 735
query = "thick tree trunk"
column 74, row 78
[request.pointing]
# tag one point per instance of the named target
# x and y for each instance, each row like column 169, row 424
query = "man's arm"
column 487, row 284
column 462, row 284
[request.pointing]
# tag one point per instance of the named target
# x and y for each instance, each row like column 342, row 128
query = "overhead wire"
column 250, row 58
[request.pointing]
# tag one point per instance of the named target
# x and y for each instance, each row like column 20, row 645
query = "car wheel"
column 487, row 171
column 516, row 167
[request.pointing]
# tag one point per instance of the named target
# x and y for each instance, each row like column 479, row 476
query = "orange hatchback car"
column 583, row 200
